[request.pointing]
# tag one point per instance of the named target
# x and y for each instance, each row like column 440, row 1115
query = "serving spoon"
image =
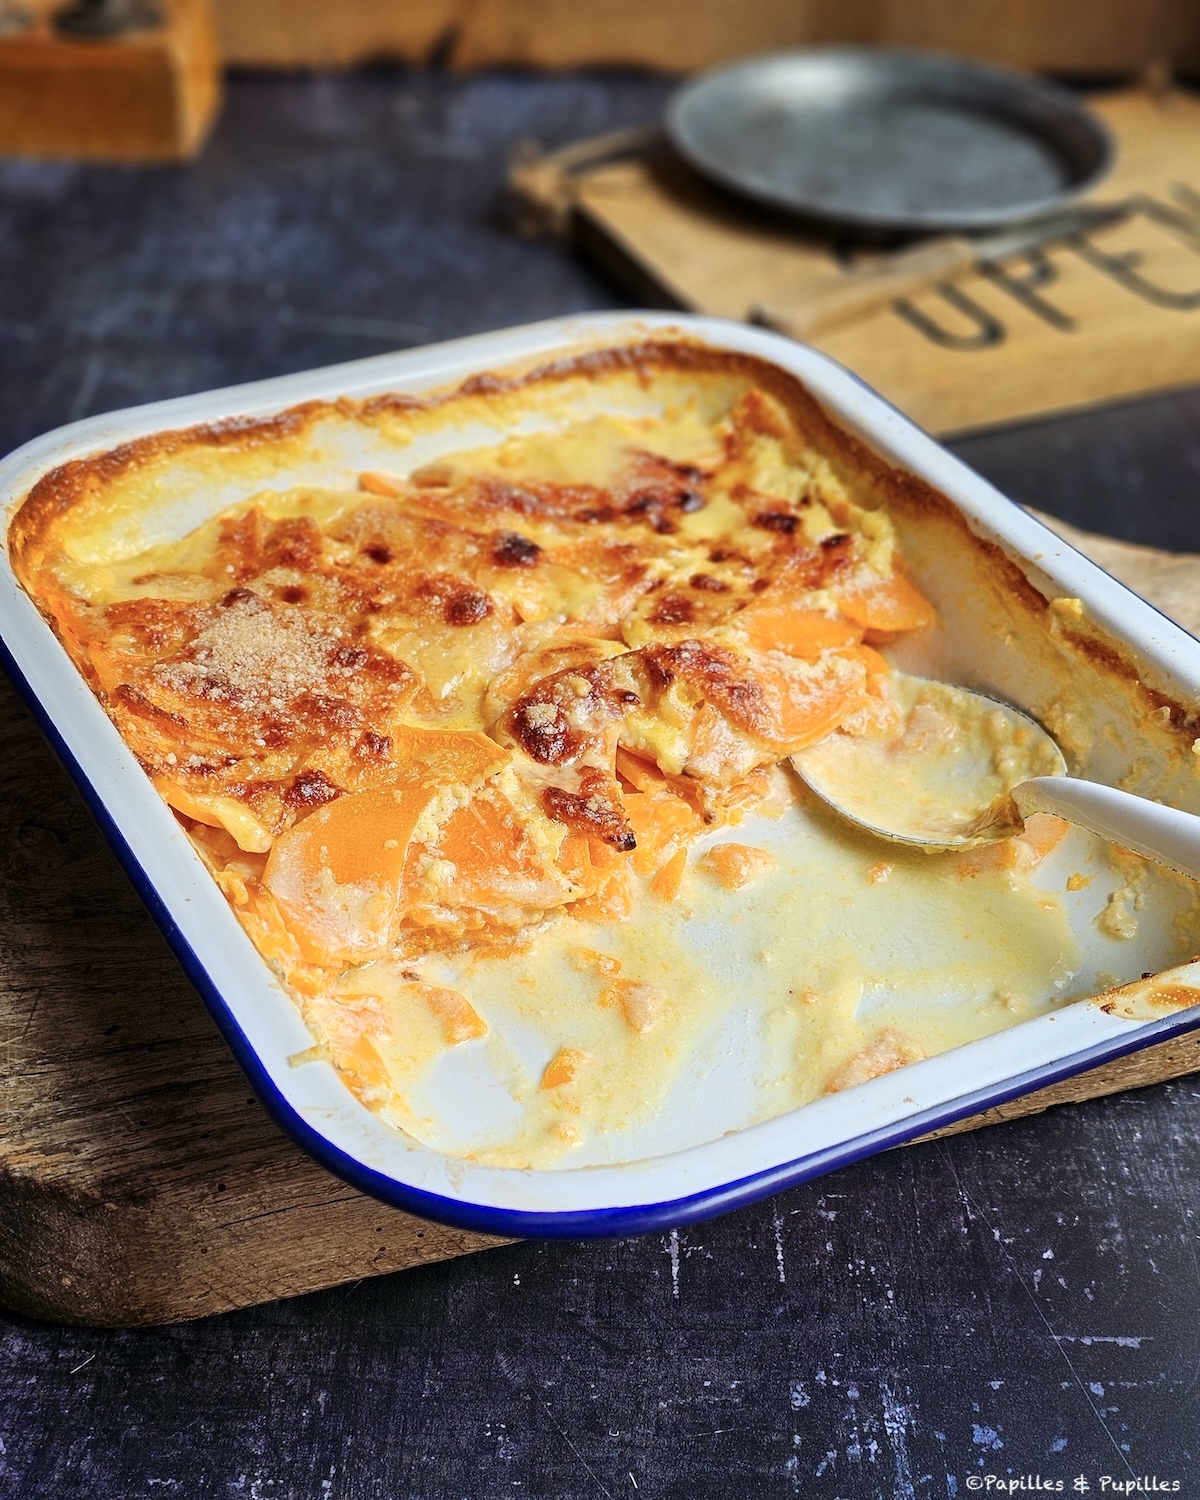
column 951, row 769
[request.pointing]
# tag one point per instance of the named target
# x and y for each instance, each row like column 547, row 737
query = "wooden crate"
column 1097, row 317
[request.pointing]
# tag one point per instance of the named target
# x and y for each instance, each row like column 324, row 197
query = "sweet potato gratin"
column 473, row 742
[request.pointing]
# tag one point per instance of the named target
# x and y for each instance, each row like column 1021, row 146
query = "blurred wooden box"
column 148, row 96
column 1082, row 37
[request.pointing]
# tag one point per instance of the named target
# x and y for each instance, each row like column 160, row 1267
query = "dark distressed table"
column 1015, row 1303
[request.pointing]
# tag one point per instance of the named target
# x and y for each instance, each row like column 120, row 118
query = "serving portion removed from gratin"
column 488, row 754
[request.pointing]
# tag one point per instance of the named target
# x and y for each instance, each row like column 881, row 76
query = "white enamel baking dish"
column 667, row 1185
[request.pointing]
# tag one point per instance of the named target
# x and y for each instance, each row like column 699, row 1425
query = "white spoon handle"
column 1164, row 834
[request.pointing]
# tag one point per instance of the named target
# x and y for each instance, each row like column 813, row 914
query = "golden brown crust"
column 594, row 614
column 655, row 495
column 66, row 486
column 63, row 488
column 596, row 809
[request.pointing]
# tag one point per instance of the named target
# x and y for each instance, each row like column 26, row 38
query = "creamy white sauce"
column 937, row 764
column 761, row 995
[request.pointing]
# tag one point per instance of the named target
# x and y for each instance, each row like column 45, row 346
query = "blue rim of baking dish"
column 612, row 1222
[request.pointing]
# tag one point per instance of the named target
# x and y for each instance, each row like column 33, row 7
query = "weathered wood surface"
column 140, row 1181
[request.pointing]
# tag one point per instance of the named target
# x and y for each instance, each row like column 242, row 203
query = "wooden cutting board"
column 140, row 1180
column 1098, row 317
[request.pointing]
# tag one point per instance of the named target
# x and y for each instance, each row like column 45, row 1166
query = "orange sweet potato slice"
column 641, row 774
column 886, row 605
column 612, row 901
column 446, row 757
column 336, row 874
column 563, row 1068
column 348, row 1035
column 588, row 862
column 635, row 1001
column 645, row 776
column 251, row 835
column 496, row 863
column 806, row 707
column 659, row 820
column 666, row 884
column 454, row 1013
column 714, row 747
column 876, row 664
column 363, row 1069
column 805, row 633
column 736, row 865
column 575, row 861
column 482, row 832
column 592, row 961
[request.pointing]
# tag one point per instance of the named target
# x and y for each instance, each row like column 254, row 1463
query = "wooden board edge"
column 94, row 1260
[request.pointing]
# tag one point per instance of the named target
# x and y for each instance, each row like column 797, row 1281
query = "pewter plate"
column 889, row 140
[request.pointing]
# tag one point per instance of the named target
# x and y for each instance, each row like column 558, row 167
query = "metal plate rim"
column 1035, row 89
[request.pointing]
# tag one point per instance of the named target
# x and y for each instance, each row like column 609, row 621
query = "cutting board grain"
column 140, row 1180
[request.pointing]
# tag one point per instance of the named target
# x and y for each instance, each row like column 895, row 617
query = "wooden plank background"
column 1074, row 36
column 151, row 96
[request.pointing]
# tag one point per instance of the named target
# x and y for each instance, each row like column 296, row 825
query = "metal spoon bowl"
column 945, row 768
